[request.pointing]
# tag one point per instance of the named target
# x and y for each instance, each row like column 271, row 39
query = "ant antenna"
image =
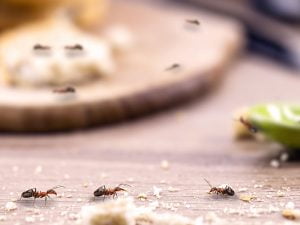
column 124, row 185
column 58, row 186
column 207, row 182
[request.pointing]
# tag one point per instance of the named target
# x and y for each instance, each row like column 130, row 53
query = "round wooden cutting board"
column 141, row 84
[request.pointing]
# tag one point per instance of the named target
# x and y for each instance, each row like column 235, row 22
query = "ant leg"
column 45, row 200
column 33, row 201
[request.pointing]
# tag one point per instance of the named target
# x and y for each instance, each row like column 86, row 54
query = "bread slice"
column 52, row 52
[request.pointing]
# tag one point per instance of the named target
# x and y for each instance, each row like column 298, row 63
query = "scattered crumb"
column 154, row 205
column 73, row 216
column 79, row 200
column 212, row 218
column 10, row 206
column 273, row 209
column 291, row 214
column 258, row 186
column 284, row 157
column 125, row 212
column 29, row 219
column 142, row 196
column 280, row 194
column 163, row 182
column 274, row 163
column 63, row 213
column 242, row 189
column 130, row 180
column 186, row 205
column 69, row 196
column 286, row 188
column 172, row 189
column 165, row 164
column 3, row 218
column 85, row 185
column 290, row 205
column 157, row 191
column 170, row 206
column 247, row 198
column 104, row 175
column 38, row 169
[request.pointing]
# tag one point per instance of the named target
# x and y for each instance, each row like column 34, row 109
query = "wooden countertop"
column 195, row 138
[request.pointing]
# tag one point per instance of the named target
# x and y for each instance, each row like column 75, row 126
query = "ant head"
column 27, row 194
column 100, row 191
column 119, row 189
column 51, row 191
column 229, row 191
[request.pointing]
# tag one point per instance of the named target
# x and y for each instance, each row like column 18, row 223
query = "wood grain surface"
column 141, row 84
column 197, row 141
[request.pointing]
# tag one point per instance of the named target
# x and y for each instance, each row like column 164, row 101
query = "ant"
column 247, row 124
column 103, row 191
column 68, row 89
column 39, row 194
column 173, row 66
column 223, row 189
column 41, row 47
column 74, row 47
column 194, row 22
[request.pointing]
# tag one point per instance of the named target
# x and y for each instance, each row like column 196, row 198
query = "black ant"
column 173, row 66
column 103, row 191
column 194, row 22
column 41, row 47
column 74, row 47
column 68, row 89
column 247, row 124
column 39, row 194
column 223, row 189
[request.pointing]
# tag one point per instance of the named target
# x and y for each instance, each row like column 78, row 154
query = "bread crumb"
column 290, row 205
column 125, row 212
column 38, row 170
column 2, row 218
column 172, row 189
column 242, row 189
column 104, row 175
column 280, row 194
column 10, row 206
column 142, row 196
column 73, row 216
column 291, row 214
column 165, row 164
column 247, row 198
column 157, row 191
column 212, row 218
column 274, row 163
column 29, row 219
column 130, row 180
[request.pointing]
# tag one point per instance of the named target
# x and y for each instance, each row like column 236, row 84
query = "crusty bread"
column 21, row 64
column 86, row 13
